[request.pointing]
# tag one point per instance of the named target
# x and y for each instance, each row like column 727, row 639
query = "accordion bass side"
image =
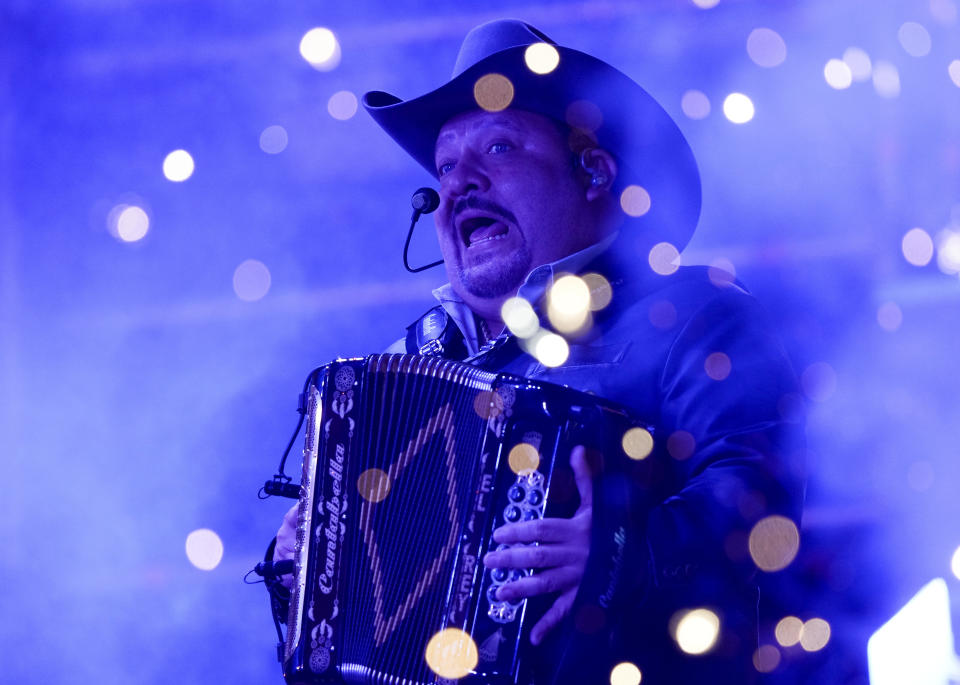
column 409, row 465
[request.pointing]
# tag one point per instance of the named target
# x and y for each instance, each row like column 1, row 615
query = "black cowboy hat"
column 583, row 91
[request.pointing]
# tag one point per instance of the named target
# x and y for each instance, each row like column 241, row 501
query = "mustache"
column 474, row 202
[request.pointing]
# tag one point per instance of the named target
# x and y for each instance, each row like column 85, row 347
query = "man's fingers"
column 581, row 474
column 287, row 535
column 542, row 556
column 544, row 583
column 551, row 619
column 540, row 530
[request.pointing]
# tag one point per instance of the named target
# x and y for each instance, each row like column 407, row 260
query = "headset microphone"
column 424, row 201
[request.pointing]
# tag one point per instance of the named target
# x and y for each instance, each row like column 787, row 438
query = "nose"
column 468, row 175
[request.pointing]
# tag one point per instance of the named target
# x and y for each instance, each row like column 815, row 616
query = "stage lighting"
column 916, row 645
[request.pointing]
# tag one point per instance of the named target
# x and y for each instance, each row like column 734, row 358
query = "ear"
column 601, row 171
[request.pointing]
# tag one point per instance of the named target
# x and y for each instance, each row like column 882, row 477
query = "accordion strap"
column 435, row 334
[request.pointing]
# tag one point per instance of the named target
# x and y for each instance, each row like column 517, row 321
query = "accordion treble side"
column 409, row 465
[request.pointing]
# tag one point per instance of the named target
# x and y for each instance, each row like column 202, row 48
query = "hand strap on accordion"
column 435, row 334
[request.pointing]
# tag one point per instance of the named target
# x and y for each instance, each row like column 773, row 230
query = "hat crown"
column 493, row 37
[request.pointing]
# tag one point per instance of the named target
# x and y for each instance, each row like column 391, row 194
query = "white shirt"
column 532, row 289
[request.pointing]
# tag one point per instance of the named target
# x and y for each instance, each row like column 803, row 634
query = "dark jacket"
column 731, row 448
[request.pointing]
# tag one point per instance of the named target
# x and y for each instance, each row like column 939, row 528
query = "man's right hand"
column 287, row 542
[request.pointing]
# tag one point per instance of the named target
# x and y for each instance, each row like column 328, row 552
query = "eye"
column 499, row 147
column 444, row 168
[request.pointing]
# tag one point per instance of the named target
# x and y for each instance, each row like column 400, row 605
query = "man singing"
column 573, row 168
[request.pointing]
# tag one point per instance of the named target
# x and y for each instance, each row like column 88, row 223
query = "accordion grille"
column 425, row 436
column 398, row 439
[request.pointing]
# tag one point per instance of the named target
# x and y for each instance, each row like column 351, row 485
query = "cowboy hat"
column 584, row 92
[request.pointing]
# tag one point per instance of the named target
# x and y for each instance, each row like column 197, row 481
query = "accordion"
column 410, row 463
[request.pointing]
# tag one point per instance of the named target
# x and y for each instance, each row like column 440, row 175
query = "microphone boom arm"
column 424, row 201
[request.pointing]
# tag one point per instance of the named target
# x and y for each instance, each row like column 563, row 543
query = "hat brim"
column 647, row 143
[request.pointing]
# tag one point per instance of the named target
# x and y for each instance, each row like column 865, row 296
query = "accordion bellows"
column 410, row 463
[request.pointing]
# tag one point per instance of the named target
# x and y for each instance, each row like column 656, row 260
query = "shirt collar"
column 532, row 289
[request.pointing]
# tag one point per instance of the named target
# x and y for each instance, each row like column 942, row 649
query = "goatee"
column 497, row 277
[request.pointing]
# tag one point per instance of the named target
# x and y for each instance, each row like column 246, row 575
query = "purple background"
column 140, row 399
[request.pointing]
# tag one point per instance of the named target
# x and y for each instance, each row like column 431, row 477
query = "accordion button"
column 535, row 497
column 530, row 514
column 512, row 513
column 516, row 494
column 499, row 575
column 492, row 593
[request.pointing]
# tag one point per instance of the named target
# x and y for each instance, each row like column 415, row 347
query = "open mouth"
column 480, row 229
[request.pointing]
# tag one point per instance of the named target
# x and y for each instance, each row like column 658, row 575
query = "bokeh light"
column 788, row 631
column 886, row 79
column 766, row 658
column 204, row 549
column 637, row 443
column 550, row 349
column 493, row 92
column 451, row 653
column 819, row 381
column 889, row 316
column 178, row 166
column 948, row 252
column 519, row 317
column 662, row 314
column 541, row 58
column 635, row 200
column 815, row 635
column 717, row 366
column 944, row 11
column 954, row 71
column 917, row 247
column 568, row 303
column 705, row 4
column 251, row 280
column 320, row 48
column 342, row 105
column 738, row 108
column 487, row 404
column 774, row 542
column 955, row 563
column 721, row 272
column 695, row 104
column 664, row 259
column 129, row 223
column 838, row 74
column 817, row 243
column 859, row 62
column 601, row 292
column 914, row 38
column 625, row 673
column 374, row 485
column 273, row 139
column 681, row 445
column 696, row 631
column 766, row 47
column 523, row 458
